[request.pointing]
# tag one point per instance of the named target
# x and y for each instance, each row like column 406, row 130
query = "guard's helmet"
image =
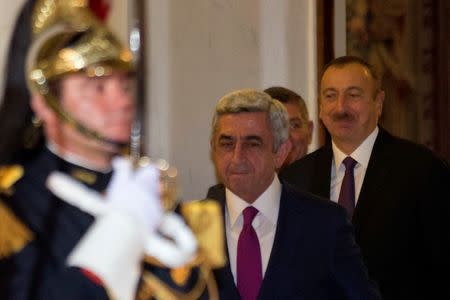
column 69, row 38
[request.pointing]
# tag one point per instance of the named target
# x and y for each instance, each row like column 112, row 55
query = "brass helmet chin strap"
column 53, row 103
column 69, row 39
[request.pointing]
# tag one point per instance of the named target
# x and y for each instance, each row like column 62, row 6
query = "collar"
column 74, row 159
column 361, row 154
column 79, row 169
column 268, row 203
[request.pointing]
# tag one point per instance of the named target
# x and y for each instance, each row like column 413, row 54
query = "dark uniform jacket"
column 50, row 228
column 38, row 270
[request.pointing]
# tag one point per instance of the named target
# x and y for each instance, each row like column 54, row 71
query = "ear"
column 379, row 99
column 320, row 108
column 212, row 150
column 40, row 108
column 45, row 114
column 282, row 153
column 310, row 128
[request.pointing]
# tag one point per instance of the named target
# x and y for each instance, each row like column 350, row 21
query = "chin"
column 120, row 137
column 236, row 183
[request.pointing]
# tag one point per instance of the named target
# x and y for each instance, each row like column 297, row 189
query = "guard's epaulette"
column 14, row 235
column 205, row 220
column 8, row 176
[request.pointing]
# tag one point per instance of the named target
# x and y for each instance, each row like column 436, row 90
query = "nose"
column 291, row 134
column 238, row 154
column 340, row 103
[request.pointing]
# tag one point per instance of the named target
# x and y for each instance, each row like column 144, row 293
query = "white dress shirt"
column 361, row 155
column 264, row 223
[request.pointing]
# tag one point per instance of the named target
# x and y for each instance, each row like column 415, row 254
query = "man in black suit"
column 281, row 243
column 401, row 215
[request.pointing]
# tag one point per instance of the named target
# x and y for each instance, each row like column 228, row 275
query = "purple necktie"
column 347, row 194
column 249, row 267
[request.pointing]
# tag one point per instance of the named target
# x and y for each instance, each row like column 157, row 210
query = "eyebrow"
column 253, row 138
column 296, row 119
column 225, row 137
column 332, row 89
column 355, row 88
column 246, row 138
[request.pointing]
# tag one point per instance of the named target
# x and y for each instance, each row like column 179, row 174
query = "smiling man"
column 300, row 126
column 395, row 191
column 271, row 229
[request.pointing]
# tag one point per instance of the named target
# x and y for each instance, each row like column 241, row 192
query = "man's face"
column 102, row 104
column 350, row 105
column 243, row 153
column 300, row 133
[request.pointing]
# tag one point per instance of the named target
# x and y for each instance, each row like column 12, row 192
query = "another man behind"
column 300, row 126
column 400, row 189
column 301, row 245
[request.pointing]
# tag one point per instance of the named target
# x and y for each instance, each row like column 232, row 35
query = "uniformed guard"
column 76, row 217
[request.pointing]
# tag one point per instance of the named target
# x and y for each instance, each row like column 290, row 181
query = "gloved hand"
column 126, row 219
column 135, row 193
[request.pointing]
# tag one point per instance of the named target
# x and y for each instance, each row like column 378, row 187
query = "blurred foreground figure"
column 77, row 219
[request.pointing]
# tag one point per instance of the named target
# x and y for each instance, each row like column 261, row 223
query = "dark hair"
column 349, row 59
column 15, row 110
column 286, row 95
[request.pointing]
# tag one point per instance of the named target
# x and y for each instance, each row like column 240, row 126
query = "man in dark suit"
column 401, row 190
column 281, row 243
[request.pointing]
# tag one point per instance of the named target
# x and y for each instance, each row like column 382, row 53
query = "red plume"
column 100, row 8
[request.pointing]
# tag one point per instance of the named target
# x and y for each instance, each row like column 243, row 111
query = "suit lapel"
column 224, row 277
column 374, row 178
column 283, row 251
column 322, row 179
column 376, row 175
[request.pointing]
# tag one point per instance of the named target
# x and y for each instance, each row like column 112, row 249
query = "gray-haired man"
column 300, row 245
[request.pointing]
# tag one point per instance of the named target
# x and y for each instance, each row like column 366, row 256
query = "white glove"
column 125, row 226
column 136, row 193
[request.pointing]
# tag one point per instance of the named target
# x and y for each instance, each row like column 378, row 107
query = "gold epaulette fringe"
column 8, row 176
column 205, row 220
column 14, row 235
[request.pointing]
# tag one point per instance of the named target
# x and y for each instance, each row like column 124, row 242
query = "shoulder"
column 216, row 192
column 317, row 219
column 311, row 158
column 407, row 154
column 14, row 234
column 308, row 162
column 9, row 175
column 303, row 201
column 306, row 172
column 385, row 140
